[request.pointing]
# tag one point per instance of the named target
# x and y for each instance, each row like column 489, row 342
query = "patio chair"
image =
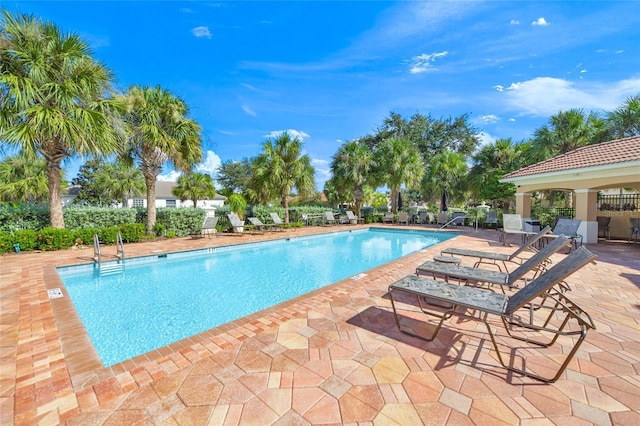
column 534, row 264
column 236, row 223
column 491, row 219
column 403, row 217
column 493, row 258
column 388, row 217
column 329, row 219
column 259, row 226
column 458, row 218
column 635, row 228
column 568, row 228
column 475, row 304
column 353, row 219
column 208, row 228
column 512, row 224
column 422, row 217
column 604, row 225
column 279, row 224
column 443, row 218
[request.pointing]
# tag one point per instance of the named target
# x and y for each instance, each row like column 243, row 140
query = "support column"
column 523, row 204
column 587, row 211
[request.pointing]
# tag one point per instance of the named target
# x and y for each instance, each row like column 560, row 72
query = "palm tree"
column 280, row 168
column 121, row 181
column 398, row 163
column 53, row 103
column 352, row 167
column 194, row 187
column 160, row 132
column 24, row 180
column 446, row 172
column 625, row 120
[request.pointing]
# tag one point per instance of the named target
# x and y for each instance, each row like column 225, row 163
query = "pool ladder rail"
column 97, row 256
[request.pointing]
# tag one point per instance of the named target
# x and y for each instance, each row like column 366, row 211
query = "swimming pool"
column 153, row 301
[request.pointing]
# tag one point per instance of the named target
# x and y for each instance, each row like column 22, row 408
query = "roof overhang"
column 616, row 175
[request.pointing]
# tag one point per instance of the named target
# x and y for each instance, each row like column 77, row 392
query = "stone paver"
column 333, row 356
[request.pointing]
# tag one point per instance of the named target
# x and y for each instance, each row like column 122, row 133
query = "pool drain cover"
column 55, row 293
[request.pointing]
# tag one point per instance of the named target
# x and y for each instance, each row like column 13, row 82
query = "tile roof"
column 612, row 152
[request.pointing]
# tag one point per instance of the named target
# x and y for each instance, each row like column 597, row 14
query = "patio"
column 333, row 356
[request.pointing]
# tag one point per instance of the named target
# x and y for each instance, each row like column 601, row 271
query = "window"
column 138, row 202
column 171, row 203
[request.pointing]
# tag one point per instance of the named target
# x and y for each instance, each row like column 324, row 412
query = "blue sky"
column 331, row 71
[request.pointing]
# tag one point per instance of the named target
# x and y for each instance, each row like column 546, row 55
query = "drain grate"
column 54, row 293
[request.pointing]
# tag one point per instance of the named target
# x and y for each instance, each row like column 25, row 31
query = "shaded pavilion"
column 584, row 171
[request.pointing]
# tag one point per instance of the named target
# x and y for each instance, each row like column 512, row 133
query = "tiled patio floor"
column 333, row 356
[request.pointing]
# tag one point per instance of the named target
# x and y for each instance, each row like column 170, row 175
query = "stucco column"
column 523, row 204
column 587, row 211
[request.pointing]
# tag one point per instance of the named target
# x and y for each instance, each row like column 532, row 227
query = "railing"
column 97, row 253
column 622, row 202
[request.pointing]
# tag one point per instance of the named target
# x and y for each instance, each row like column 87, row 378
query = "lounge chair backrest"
column 329, row 215
column 255, row 221
column 551, row 277
column 568, row 227
column 276, row 219
column 351, row 216
column 459, row 217
column 235, row 219
column 555, row 245
column 403, row 216
column 530, row 242
column 512, row 222
column 492, row 217
column 210, row 222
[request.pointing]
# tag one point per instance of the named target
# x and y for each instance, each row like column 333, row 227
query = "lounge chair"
column 493, row 258
column 388, row 217
column 329, row 218
column 208, row 228
column 422, row 217
column 512, row 224
column 353, row 219
column 505, row 279
column 443, row 218
column 403, row 217
column 568, row 228
column 236, row 223
column 277, row 221
column 491, row 219
column 458, row 218
column 475, row 304
column 259, row 227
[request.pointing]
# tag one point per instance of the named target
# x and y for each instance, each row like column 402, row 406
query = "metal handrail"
column 96, row 249
column 120, row 247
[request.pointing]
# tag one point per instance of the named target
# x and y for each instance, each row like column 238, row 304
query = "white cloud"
column 485, row 139
column 293, row 133
column 499, row 87
column 201, row 32
column 514, row 22
column 248, row 110
column 489, row 119
column 541, row 22
column 171, row 176
column 546, row 96
column 423, row 62
column 210, row 164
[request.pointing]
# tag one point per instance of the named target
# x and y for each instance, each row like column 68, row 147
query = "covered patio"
column 585, row 171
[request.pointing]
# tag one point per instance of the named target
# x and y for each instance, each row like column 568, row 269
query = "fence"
column 623, row 202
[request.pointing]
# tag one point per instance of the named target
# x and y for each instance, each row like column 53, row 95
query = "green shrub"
column 78, row 217
column 132, row 232
column 23, row 216
column 85, row 235
column 55, row 239
column 108, row 235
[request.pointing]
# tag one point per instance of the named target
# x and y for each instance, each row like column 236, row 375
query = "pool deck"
column 333, row 356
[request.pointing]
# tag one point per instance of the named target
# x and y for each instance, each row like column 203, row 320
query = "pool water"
column 152, row 301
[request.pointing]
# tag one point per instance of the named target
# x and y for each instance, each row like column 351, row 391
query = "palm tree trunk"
column 151, row 203
column 285, row 203
column 56, row 215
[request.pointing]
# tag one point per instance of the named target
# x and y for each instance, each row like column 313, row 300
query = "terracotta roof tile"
column 617, row 151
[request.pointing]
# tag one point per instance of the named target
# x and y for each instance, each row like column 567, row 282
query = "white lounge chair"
column 277, row 221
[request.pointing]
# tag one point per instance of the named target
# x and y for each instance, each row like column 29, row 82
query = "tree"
column 91, row 193
column 489, row 165
column 52, row 99
column 398, row 163
column 234, row 176
column 279, row 169
column 105, row 184
column 625, row 120
column 160, row 132
column 352, row 167
column 25, row 180
column 446, row 172
column 194, row 187
column 565, row 131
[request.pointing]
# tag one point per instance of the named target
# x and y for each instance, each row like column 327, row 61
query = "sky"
column 332, row 71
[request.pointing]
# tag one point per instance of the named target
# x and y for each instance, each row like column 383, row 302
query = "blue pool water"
column 156, row 300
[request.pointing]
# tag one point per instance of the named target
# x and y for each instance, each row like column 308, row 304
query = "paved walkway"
column 333, row 356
